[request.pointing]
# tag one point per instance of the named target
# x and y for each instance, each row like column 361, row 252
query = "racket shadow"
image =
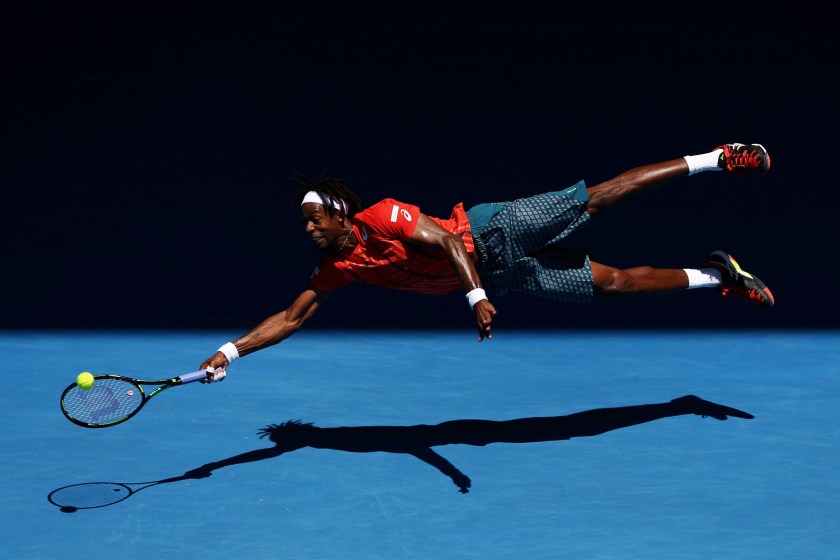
column 92, row 495
column 417, row 441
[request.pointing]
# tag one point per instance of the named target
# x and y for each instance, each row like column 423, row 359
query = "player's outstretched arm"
column 272, row 330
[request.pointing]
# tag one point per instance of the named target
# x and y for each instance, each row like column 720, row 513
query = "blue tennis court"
column 675, row 487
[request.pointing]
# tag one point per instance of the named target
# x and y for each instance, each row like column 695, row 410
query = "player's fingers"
column 483, row 331
column 215, row 375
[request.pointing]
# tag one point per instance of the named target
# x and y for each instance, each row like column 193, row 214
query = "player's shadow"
column 413, row 440
column 419, row 440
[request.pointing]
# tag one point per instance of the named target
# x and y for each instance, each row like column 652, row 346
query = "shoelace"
column 745, row 160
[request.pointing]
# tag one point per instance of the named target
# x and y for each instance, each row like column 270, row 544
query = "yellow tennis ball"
column 85, row 380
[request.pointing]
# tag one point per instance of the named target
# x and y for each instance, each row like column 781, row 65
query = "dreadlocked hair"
column 293, row 430
column 330, row 190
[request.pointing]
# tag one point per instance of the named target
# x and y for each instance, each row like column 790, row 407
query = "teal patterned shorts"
column 532, row 245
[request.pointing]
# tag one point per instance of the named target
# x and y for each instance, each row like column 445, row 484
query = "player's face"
column 323, row 230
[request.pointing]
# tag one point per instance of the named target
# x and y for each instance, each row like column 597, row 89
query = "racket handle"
column 193, row 376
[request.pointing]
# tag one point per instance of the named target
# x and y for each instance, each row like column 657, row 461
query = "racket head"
column 88, row 495
column 112, row 399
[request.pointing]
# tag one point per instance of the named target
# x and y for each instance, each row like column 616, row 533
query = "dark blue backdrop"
column 146, row 155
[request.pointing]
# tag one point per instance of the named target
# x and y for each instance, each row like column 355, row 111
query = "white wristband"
column 230, row 351
column 474, row 296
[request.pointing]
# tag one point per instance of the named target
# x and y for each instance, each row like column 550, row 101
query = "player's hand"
column 463, row 482
column 484, row 313
column 215, row 367
column 201, row 472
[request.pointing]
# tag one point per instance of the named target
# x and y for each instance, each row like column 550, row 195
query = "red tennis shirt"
column 383, row 256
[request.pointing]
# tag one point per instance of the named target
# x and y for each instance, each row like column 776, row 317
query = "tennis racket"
column 113, row 399
column 89, row 495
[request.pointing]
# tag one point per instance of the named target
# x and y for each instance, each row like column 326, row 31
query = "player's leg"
column 580, row 424
column 599, row 421
column 741, row 159
column 720, row 271
column 609, row 280
column 604, row 195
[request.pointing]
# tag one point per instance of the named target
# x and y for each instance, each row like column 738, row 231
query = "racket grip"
column 193, row 376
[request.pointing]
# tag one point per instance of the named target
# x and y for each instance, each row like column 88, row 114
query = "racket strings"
column 90, row 495
column 107, row 401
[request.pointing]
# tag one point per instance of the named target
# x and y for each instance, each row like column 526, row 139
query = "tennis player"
column 529, row 245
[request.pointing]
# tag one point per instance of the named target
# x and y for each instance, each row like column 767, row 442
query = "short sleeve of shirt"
column 390, row 219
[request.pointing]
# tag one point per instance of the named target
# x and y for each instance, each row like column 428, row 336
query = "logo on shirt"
column 315, row 272
column 396, row 211
column 364, row 234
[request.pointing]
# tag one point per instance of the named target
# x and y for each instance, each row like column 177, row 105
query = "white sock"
column 703, row 277
column 703, row 162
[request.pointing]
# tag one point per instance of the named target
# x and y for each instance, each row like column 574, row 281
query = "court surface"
column 674, row 488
